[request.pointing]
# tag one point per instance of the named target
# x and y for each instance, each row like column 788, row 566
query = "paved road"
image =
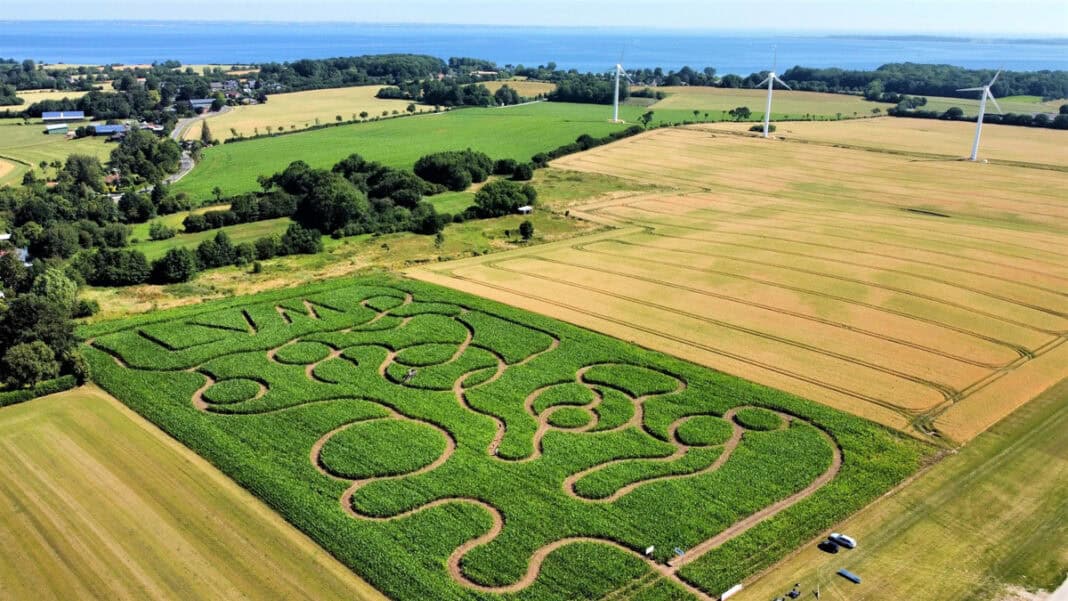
column 176, row 134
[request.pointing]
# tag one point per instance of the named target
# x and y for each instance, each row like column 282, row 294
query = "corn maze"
column 448, row 447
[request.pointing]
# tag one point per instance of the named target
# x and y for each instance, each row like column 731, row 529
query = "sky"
column 1000, row 18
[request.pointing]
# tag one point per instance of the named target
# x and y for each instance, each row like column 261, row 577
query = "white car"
column 845, row 541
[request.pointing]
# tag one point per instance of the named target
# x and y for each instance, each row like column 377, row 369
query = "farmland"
column 400, row 142
column 526, row 89
column 788, row 104
column 929, row 139
column 873, row 282
column 1025, row 105
column 98, row 503
column 299, row 110
column 24, row 146
column 32, row 96
column 955, row 533
column 534, row 452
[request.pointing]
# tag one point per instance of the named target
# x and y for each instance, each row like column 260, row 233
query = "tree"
column 31, row 317
column 136, row 208
column 205, row 134
column 740, row 113
column 55, row 287
column 503, row 197
column 216, row 252
column 331, row 203
column 158, row 231
column 411, row 107
column 954, row 113
column 646, row 118
column 29, row 363
column 217, row 193
column 523, row 172
column 364, row 114
column 526, row 229
column 178, row 265
column 299, row 240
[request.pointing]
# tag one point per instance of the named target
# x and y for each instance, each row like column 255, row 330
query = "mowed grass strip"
column 101, row 504
column 517, row 132
column 955, row 532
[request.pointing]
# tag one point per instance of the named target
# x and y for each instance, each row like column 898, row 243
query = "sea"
column 583, row 48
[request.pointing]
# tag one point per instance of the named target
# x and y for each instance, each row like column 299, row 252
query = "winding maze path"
column 482, row 376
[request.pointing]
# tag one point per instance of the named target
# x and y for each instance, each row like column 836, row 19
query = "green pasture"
column 1009, row 104
column 398, row 421
column 28, row 145
column 517, row 132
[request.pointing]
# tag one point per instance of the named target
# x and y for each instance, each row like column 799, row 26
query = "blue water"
column 585, row 49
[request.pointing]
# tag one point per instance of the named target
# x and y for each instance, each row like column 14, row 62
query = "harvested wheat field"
column 929, row 138
column 99, row 504
column 300, row 110
column 930, row 296
column 526, row 89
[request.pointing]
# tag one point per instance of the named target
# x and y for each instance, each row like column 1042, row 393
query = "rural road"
column 179, row 130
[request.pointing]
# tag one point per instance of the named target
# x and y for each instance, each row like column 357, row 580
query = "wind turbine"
column 982, row 111
column 770, row 80
column 615, row 98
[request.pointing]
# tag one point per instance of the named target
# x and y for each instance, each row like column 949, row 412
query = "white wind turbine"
column 982, row 110
column 770, row 80
column 620, row 71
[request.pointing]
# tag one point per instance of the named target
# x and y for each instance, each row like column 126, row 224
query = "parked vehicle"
column 842, row 540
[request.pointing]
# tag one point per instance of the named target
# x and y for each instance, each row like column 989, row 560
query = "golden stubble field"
column 299, row 110
column 99, row 504
column 931, row 296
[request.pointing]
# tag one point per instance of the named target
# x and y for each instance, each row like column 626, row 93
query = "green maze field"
column 447, row 447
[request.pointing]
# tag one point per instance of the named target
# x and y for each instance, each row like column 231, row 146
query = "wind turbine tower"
column 620, row 71
column 982, row 111
column 770, row 80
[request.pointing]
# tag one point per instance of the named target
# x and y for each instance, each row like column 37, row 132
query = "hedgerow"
column 375, row 421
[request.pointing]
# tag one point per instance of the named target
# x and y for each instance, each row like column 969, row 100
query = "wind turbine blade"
column 995, row 78
column 783, row 83
column 761, row 84
column 994, row 100
column 971, row 89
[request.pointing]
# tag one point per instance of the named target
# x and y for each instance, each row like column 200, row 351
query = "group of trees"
column 311, row 74
column 588, row 88
column 36, row 333
column 451, row 92
column 927, row 80
column 1059, row 121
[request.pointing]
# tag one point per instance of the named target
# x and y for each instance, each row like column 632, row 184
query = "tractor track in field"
column 778, row 310
column 771, row 226
column 782, row 207
column 651, row 230
column 847, row 251
column 536, row 560
column 584, row 247
column 688, row 341
column 944, row 390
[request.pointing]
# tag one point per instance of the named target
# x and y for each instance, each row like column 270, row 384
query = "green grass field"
column 99, row 504
column 514, row 132
column 1010, row 104
column 787, row 104
column 990, row 517
column 539, row 459
column 24, row 146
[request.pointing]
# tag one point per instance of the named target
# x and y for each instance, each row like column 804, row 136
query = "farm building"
column 108, row 130
column 54, row 129
column 62, row 116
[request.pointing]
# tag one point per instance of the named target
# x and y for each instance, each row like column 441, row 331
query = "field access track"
column 930, row 295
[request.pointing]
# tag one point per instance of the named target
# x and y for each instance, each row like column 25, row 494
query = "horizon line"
column 760, row 32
